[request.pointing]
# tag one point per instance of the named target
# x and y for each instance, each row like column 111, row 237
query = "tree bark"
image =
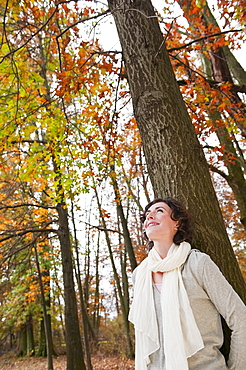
column 30, row 337
column 175, row 161
column 75, row 358
column 48, row 334
column 22, row 339
column 42, row 349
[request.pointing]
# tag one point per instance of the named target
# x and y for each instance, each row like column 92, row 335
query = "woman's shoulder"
column 195, row 263
column 196, row 256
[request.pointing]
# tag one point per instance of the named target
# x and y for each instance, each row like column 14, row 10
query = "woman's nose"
column 150, row 215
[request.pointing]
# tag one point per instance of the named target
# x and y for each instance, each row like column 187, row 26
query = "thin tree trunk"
column 22, row 345
column 42, row 350
column 30, row 337
column 120, row 212
column 48, row 336
column 125, row 285
column 117, row 305
column 96, row 314
column 124, row 309
column 75, row 358
column 85, row 317
column 59, row 304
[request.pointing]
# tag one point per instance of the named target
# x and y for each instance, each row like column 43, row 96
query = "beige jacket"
column 210, row 296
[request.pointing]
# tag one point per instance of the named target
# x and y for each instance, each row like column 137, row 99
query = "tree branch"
column 82, row 21
column 216, row 170
column 101, row 228
column 201, row 39
column 29, row 141
column 235, row 88
column 24, row 232
column 45, row 24
column 14, row 250
column 32, row 36
column 26, row 205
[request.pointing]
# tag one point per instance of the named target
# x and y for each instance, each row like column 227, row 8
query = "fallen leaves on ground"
column 99, row 362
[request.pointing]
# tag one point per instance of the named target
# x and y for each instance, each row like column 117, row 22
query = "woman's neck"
column 162, row 247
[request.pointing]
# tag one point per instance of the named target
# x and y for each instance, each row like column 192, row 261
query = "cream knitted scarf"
column 182, row 338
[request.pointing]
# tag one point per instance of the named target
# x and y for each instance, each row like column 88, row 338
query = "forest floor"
column 99, row 362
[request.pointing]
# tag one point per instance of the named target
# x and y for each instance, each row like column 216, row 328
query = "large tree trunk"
column 176, row 163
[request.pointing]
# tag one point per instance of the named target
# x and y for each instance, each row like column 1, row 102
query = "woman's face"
column 158, row 222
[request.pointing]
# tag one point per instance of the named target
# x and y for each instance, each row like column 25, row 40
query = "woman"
column 179, row 295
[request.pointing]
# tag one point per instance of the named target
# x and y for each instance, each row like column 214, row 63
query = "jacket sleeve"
column 231, row 307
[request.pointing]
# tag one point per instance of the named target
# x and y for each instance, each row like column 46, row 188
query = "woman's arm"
column 231, row 307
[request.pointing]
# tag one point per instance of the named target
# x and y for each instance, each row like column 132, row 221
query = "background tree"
column 221, row 83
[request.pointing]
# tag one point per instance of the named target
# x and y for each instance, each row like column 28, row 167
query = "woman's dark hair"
column 179, row 213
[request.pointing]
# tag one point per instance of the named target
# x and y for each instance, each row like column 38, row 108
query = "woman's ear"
column 176, row 227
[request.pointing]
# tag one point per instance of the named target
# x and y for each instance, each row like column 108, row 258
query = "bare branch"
column 105, row 52
column 31, row 37
column 14, row 250
column 191, row 69
column 84, row 20
column 45, row 24
column 17, row 250
column 29, row 141
column 164, row 40
column 28, row 231
column 216, row 170
column 27, row 205
column 234, row 88
column 239, row 88
column 101, row 228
